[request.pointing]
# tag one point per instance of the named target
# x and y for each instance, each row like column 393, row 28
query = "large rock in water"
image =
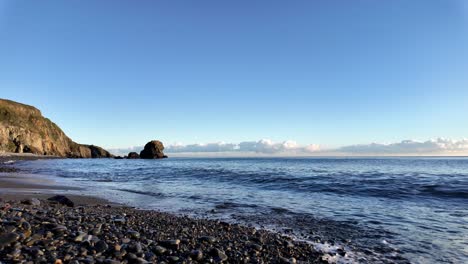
column 153, row 150
column 23, row 129
column 133, row 155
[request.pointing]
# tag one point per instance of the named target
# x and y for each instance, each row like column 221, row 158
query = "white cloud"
column 210, row 147
column 408, row 147
column 438, row 146
column 264, row 146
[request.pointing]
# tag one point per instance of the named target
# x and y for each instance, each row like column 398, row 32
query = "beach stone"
column 218, row 254
column 159, row 250
column 133, row 234
column 173, row 259
column 119, row 220
column 32, row 201
column 256, row 247
column 111, row 261
column 61, row 199
column 8, row 238
column 208, row 239
column 174, row 243
column 196, row 254
column 141, row 261
column 101, row 246
column 26, row 225
column 80, row 236
column 60, row 229
column 288, row 261
column 288, row 244
column 136, row 248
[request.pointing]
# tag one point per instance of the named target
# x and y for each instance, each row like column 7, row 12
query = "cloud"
column 408, row 147
column 264, row 146
column 438, row 146
column 210, row 147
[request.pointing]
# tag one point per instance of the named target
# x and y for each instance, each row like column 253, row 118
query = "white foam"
column 8, row 162
column 330, row 254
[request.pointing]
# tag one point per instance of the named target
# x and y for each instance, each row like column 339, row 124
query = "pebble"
column 174, row 243
column 196, row 254
column 80, row 237
column 32, row 201
column 208, row 239
column 49, row 233
column 101, row 246
column 8, row 238
column 218, row 254
column 159, row 250
column 133, row 234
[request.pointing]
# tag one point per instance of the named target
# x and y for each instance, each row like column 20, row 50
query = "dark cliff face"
column 23, row 129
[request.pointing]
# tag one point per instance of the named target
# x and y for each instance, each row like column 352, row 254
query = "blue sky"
column 334, row 73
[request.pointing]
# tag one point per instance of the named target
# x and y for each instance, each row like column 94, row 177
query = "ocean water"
column 378, row 210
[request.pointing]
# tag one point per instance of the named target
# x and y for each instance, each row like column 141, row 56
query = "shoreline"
column 126, row 234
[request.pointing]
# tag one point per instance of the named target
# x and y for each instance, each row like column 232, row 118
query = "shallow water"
column 388, row 210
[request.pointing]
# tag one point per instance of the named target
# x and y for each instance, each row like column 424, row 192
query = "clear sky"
column 334, row 73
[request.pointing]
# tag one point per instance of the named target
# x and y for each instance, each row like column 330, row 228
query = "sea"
column 354, row 210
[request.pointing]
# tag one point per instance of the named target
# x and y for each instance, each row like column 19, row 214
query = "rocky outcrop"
column 153, row 150
column 133, row 155
column 23, row 129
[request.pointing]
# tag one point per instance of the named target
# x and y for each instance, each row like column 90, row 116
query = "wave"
column 153, row 194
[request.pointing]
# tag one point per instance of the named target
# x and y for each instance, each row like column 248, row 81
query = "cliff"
column 23, row 129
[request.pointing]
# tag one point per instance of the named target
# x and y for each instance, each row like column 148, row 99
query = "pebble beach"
column 37, row 228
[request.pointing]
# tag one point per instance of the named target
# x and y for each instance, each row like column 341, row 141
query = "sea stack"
column 153, row 150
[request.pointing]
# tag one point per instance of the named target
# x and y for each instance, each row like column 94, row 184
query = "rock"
column 8, row 238
column 101, row 246
column 111, row 261
column 173, row 259
column 23, row 129
column 98, row 152
column 133, row 234
column 196, row 254
column 118, row 157
column 59, row 229
column 153, row 150
column 288, row 261
column 256, row 247
column 174, row 243
column 208, row 239
column 133, row 155
column 159, row 250
column 218, row 254
column 26, row 226
column 136, row 248
column 141, row 261
column 119, row 220
column 61, row 199
column 80, row 236
column 288, row 244
column 32, row 201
